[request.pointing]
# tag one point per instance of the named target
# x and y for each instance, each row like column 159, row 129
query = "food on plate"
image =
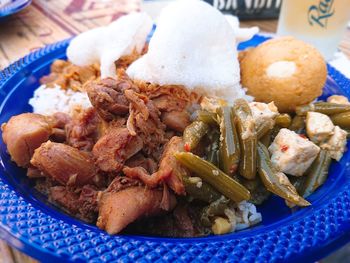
column 158, row 141
column 284, row 70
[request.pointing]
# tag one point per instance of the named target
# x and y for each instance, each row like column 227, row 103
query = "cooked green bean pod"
column 200, row 190
column 342, row 119
column 216, row 208
column 322, row 107
column 298, row 124
column 317, row 173
column 194, row 133
column 257, row 190
column 276, row 182
column 247, row 138
column 297, row 182
column 263, row 129
column 283, row 120
column 212, row 150
column 266, row 139
column 209, row 118
column 229, row 144
column 214, row 176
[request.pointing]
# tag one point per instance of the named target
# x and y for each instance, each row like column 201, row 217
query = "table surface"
column 45, row 22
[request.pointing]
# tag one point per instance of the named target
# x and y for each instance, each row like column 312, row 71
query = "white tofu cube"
column 338, row 99
column 263, row 112
column 319, row 127
column 292, row 153
column 336, row 144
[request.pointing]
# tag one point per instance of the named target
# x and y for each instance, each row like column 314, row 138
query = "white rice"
column 48, row 100
column 243, row 216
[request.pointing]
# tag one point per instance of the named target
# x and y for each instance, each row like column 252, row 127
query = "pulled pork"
column 113, row 162
column 170, row 170
column 66, row 75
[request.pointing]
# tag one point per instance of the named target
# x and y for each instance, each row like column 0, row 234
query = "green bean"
column 263, row 129
column 283, row 120
column 266, row 139
column 322, row 107
column 297, row 182
column 247, row 138
column 276, row 182
column 214, row 176
column 298, row 124
column 317, row 173
column 342, row 119
column 205, row 192
column 212, row 150
column 207, row 117
column 229, row 144
column 216, row 208
column 194, row 133
column 257, row 190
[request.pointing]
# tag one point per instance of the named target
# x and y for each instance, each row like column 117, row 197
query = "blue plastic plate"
column 30, row 224
column 13, row 7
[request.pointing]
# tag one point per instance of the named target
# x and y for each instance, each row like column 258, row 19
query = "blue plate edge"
column 25, row 247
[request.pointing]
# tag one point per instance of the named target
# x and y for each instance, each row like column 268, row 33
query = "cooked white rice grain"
column 48, row 100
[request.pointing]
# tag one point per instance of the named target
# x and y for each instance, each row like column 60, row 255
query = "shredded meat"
column 65, row 164
column 67, row 75
column 144, row 121
column 23, row 134
column 83, row 131
column 117, row 210
column 107, row 96
column 139, row 160
column 113, row 149
column 121, row 182
column 81, row 202
column 170, row 170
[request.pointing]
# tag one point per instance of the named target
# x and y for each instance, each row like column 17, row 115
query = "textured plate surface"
column 42, row 231
column 14, row 7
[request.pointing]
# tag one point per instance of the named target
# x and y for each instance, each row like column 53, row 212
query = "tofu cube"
column 263, row 112
column 338, row 99
column 292, row 153
column 319, row 127
column 336, row 144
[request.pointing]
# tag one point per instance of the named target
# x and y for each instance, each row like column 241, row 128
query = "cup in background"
column 321, row 23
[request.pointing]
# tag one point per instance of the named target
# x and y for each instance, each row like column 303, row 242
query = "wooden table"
column 45, row 22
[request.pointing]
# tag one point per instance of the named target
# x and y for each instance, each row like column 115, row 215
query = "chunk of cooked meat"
column 81, row 202
column 145, row 122
column 176, row 120
column 122, row 182
column 67, row 75
column 168, row 97
column 119, row 209
column 170, row 170
column 23, row 134
column 65, row 164
column 107, row 96
column 83, row 131
column 113, row 149
column 139, row 160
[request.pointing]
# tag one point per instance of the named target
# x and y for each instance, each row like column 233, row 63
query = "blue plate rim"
column 14, row 7
column 13, row 237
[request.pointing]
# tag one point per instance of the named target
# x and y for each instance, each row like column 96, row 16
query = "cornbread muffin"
column 284, row 70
